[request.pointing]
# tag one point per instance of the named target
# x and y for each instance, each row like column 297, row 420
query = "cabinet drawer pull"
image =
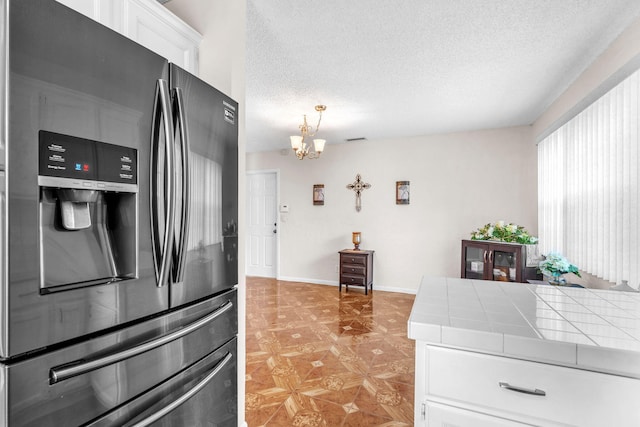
column 535, row 392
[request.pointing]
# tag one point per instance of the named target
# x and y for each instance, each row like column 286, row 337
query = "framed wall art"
column 402, row 192
column 318, row 194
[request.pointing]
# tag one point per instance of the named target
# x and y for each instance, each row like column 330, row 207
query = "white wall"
column 625, row 48
column 458, row 182
column 222, row 24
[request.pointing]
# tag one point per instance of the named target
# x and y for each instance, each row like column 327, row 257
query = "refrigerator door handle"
column 162, row 248
column 181, row 244
column 80, row 367
column 188, row 395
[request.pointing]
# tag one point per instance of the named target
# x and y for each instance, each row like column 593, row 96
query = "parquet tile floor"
column 317, row 357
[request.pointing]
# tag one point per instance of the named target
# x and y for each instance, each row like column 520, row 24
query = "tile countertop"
column 591, row 329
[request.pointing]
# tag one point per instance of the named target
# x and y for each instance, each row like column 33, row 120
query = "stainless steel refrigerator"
column 118, row 244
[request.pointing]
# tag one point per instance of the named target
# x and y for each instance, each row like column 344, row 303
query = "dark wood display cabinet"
column 500, row 261
column 356, row 268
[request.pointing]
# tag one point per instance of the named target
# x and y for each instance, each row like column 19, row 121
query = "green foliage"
column 502, row 232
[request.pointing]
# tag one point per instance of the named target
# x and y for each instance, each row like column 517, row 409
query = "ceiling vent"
column 362, row 138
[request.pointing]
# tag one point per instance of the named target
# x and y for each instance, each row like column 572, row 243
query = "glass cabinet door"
column 504, row 262
column 474, row 257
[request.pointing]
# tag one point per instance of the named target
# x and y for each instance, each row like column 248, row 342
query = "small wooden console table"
column 356, row 268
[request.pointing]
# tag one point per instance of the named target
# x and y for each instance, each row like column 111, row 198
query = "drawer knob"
column 535, row 392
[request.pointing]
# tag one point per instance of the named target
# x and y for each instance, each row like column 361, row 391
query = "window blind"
column 588, row 185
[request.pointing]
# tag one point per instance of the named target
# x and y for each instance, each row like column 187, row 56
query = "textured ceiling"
column 403, row 68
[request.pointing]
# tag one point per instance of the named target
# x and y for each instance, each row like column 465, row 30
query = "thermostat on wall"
column 284, row 208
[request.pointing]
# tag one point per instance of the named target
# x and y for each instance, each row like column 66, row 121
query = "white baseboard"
column 307, row 280
column 335, row 283
column 398, row 290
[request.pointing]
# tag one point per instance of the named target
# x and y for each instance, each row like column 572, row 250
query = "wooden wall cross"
column 358, row 186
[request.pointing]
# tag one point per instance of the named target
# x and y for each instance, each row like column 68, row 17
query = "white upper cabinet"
column 148, row 23
column 155, row 27
column 90, row 8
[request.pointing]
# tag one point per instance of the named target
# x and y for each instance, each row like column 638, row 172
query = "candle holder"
column 356, row 239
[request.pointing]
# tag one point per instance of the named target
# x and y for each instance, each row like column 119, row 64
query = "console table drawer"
column 355, row 259
column 351, row 269
column 525, row 391
column 354, row 280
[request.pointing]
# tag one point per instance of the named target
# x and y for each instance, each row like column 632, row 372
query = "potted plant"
column 555, row 265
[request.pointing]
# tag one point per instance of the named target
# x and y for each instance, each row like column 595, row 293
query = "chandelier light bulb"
column 296, row 142
column 319, row 144
column 303, row 149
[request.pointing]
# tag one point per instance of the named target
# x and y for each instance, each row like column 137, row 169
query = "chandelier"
column 302, row 148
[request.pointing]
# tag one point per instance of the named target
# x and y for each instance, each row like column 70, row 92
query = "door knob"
column 274, row 231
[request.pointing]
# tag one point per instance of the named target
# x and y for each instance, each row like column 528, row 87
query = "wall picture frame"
column 318, row 194
column 403, row 192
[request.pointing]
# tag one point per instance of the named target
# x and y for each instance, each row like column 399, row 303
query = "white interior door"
column 262, row 224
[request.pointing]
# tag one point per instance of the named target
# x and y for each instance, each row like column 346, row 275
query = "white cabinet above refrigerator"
column 148, row 23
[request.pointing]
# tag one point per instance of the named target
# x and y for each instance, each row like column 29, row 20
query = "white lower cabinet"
column 438, row 415
column 463, row 388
